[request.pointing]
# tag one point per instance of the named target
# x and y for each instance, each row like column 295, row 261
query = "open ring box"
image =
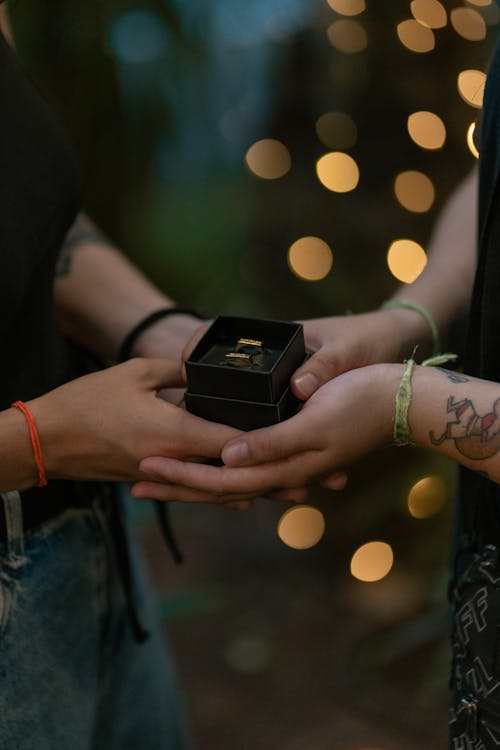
column 245, row 393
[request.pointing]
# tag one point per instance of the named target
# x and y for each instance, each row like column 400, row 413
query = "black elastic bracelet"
column 125, row 350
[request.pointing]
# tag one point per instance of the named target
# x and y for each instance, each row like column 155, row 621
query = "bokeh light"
column 414, row 190
column 347, row 36
column 338, row 172
column 427, row 497
column 372, row 562
column 470, row 140
column 301, row 527
column 406, row 260
column 427, row 130
column 347, row 7
column 415, row 37
column 310, row 258
column 138, row 36
column 430, row 13
column 269, row 159
column 336, row 130
column 468, row 23
column 470, row 84
column 480, row 3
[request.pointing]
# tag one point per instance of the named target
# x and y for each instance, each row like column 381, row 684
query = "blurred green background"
column 163, row 99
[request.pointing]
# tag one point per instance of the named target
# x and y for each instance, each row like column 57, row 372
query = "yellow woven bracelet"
column 402, row 432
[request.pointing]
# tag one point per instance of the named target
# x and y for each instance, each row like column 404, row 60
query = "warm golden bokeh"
column 427, row 130
column 347, row 36
column 480, row 3
column 372, row 562
column 468, row 23
column 406, row 260
column 414, row 190
column 415, row 37
column 470, row 84
column 470, row 140
column 347, row 7
column 310, row 258
column 301, row 527
column 268, row 159
column 427, row 497
column 336, row 130
column 338, row 172
column 430, row 13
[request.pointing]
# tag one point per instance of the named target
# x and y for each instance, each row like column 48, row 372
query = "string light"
column 468, row 23
column 372, row 561
column 470, row 140
column 338, row 172
column 268, row 159
column 426, row 497
column 347, row 7
column 347, row 36
column 406, row 260
column 301, row 527
column 336, row 130
column 415, row 191
column 310, row 258
column 415, row 37
column 430, row 13
column 470, row 84
column 427, row 130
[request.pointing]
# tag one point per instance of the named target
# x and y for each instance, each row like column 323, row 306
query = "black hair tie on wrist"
column 162, row 509
column 128, row 342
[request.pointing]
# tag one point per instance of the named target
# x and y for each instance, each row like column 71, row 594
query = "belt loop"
column 13, row 513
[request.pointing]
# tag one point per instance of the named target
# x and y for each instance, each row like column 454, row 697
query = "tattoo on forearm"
column 455, row 377
column 82, row 232
column 475, row 436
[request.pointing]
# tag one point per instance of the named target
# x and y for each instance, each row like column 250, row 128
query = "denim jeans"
column 72, row 676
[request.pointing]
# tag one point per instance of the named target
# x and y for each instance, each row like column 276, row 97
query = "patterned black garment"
column 475, row 596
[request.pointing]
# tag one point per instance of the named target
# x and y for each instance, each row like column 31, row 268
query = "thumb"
column 315, row 372
column 267, row 444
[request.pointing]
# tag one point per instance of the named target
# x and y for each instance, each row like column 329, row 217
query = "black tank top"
column 480, row 498
column 40, row 195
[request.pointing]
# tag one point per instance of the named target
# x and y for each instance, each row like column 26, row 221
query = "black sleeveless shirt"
column 480, row 498
column 40, row 195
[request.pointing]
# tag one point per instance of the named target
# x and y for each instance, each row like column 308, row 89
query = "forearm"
column 100, row 296
column 444, row 287
column 17, row 466
column 453, row 414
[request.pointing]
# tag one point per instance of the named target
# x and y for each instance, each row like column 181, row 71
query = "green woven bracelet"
column 407, row 305
column 401, row 432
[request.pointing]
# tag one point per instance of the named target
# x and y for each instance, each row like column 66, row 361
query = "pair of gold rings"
column 246, row 352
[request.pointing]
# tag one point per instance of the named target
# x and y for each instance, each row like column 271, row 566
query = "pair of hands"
column 347, row 413
column 111, row 425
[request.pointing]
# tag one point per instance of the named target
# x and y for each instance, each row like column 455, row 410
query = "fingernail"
column 306, row 384
column 236, row 454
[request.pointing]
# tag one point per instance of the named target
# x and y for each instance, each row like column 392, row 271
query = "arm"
column 100, row 296
column 444, row 288
column 347, row 418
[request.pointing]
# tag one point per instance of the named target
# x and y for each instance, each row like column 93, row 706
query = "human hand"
column 342, row 343
column 344, row 420
column 168, row 337
column 101, row 425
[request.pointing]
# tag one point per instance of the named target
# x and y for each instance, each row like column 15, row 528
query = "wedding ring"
column 249, row 346
column 237, row 359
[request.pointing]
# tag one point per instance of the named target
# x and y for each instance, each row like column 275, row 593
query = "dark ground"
column 280, row 649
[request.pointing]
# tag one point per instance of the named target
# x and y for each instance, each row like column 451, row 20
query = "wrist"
column 409, row 329
column 166, row 337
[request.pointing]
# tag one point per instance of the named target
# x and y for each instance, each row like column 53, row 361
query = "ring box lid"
column 285, row 340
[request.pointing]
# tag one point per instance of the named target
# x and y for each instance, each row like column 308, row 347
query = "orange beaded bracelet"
column 35, row 441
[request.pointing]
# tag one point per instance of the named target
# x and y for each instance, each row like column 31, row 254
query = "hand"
column 168, row 337
column 344, row 343
column 100, row 426
column 344, row 420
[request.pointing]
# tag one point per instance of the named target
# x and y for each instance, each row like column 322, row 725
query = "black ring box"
column 249, row 396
